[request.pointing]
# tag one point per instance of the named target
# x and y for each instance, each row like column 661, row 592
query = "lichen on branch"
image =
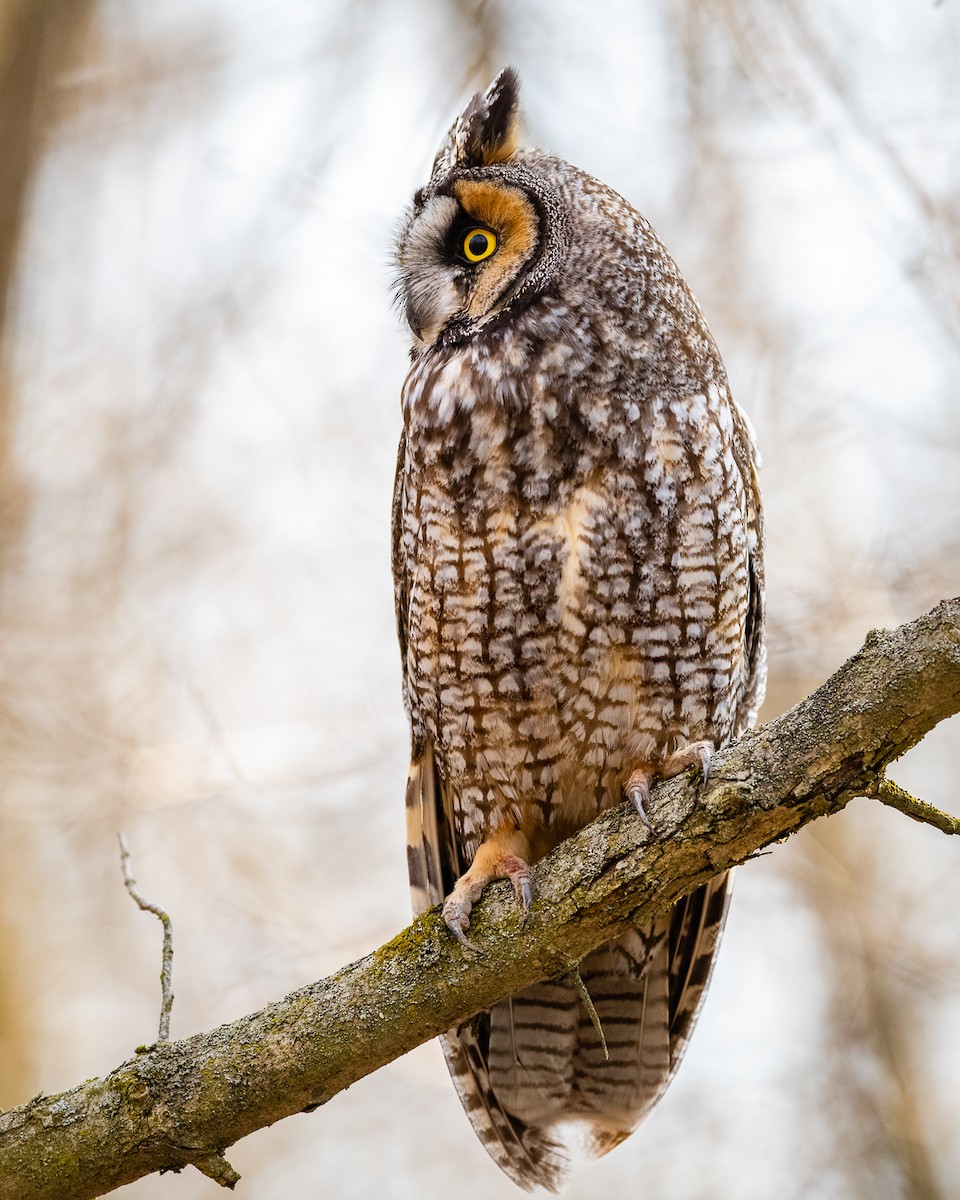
column 185, row 1102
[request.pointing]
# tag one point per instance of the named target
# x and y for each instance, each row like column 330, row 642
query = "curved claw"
column 698, row 755
column 705, row 755
column 456, row 917
column 638, row 793
column 516, row 870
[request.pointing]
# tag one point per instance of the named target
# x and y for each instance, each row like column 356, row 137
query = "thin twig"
column 757, row 854
column 891, row 793
column 587, row 1003
column 166, row 970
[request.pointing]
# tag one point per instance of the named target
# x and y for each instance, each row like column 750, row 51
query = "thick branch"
column 184, row 1102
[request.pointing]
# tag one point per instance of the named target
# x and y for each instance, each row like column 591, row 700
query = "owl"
column 578, row 565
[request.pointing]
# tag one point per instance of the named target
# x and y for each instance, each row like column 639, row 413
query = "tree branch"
column 186, row 1101
column 918, row 810
column 166, row 962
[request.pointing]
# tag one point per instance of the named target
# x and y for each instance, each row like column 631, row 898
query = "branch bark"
column 184, row 1102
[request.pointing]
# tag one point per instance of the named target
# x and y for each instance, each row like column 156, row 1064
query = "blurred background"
column 199, row 379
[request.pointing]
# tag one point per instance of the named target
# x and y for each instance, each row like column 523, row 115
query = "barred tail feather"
column 531, row 1073
column 529, row 1153
column 628, row 982
column 695, row 928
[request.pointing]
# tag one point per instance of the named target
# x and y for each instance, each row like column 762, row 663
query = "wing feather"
column 529, row 1155
column 747, row 458
column 697, row 921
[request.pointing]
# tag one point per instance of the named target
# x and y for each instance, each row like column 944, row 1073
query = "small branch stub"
column 166, row 970
column 216, row 1167
column 895, row 796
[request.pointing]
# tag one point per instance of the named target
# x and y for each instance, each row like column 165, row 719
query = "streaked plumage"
column 579, row 586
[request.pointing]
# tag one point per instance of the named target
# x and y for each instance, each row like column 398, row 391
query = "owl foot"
column 696, row 754
column 637, row 787
column 496, row 858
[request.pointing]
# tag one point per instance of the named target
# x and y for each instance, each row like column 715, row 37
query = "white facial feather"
column 430, row 279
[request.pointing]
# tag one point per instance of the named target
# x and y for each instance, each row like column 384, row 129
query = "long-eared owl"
column 579, row 590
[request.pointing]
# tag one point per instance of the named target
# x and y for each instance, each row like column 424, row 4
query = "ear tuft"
column 488, row 129
column 492, row 121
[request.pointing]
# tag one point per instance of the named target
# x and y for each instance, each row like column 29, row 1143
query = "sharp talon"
column 463, row 939
column 456, row 917
column 518, row 872
column 639, row 796
column 706, row 762
column 458, row 927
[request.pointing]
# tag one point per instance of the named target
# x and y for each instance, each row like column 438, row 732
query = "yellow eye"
column 479, row 244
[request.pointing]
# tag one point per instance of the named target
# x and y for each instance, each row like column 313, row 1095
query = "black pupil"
column 478, row 244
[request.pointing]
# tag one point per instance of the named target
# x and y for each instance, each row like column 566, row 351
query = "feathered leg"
column 503, row 855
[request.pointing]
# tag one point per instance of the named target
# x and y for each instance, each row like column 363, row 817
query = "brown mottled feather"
column 579, row 589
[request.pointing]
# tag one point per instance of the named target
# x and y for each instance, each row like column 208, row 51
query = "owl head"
column 488, row 233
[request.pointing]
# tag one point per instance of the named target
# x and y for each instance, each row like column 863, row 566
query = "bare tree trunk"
column 39, row 41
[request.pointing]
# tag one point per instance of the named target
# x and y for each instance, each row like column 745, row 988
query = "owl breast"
column 578, row 581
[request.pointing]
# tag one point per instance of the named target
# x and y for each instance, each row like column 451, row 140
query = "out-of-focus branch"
column 38, row 42
column 166, row 968
column 870, row 1082
column 38, row 39
column 185, row 1102
column 480, row 25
